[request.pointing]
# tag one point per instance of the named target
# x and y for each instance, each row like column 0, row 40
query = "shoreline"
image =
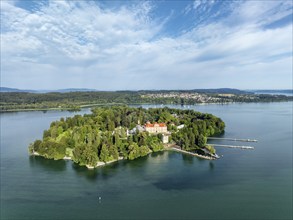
column 100, row 163
column 109, row 104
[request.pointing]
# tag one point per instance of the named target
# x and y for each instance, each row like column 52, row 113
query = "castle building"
column 156, row 127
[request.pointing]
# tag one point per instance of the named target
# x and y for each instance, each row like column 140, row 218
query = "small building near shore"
column 138, row 128
column 165, row 139
column 180, row 126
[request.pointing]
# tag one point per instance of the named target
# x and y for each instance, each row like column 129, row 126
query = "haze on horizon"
column 135, row 45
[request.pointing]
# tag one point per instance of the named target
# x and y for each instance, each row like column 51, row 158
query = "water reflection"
column 212, row 166
column 104, row 172
column 187, row 159
column 173, row 154
column 47, row 164
column 157, row 154
column 135, row 164
column 109, row 170
column 85, row 172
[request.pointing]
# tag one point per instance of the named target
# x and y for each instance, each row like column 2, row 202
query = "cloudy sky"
column 117, row 45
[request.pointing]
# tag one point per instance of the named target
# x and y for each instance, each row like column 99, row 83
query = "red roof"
column 157, row 124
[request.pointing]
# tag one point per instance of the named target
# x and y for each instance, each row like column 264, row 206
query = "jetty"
column 232, row 139
column 193, row 154
column 177, row 148
column 232, row 146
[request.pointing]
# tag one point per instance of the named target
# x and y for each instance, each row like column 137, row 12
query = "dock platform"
column 232, row 139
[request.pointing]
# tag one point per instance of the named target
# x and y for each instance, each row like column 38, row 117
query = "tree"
column 202, row 140
column 90, row 157
column 134, row 151
column 113, row 152
column 104, row 155
column 37, row 145
column 46, row 134
column 211, row 149
column 59, row 130
column 54, row 132
column 143, row 150
column 186, row 142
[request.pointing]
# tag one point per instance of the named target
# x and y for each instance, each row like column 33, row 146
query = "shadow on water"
column 104, row 172
column 110, row 170
column 85, row 172
column 191, row 177
column 47, row 164
column 186, row 182
column 157, row 154
column 136, row 163
column 187, row 159
column 212, row 166
column 174, row 155
column 195, row 180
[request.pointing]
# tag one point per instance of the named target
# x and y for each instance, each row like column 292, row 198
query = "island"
column 113, row 133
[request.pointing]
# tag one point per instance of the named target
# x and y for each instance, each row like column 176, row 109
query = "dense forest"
column 103, row 135
column 11, row 101
column 70, row 100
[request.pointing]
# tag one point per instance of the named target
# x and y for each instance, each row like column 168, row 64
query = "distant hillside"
column 75, row 90
column 222, row 91
column 287, row 91
column 6, row 89
column 209, row 91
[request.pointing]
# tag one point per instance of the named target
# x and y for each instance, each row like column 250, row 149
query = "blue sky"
column 117, row 45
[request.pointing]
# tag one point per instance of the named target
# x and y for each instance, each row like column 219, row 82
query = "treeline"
column 103, row 135
column 75, row 100
column 70, row 100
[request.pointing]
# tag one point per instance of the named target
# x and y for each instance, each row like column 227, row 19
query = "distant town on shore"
column 75, row 99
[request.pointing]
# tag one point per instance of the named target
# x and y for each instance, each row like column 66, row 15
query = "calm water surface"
column 243, row 184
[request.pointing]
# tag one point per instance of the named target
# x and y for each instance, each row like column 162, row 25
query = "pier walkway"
column 193, row 154
column 177, row 148
column 232, row 139
column 232, row 146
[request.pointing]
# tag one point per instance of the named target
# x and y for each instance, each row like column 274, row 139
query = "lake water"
column 243, row 184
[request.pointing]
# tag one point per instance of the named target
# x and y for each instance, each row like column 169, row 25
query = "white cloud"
column 81, row 44
column 75, row 29
column 259, row 13
column 196, row 4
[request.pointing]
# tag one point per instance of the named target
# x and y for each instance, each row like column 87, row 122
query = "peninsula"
column 120, row 132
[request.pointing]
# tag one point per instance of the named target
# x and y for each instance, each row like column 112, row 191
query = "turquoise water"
column 243, row 184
